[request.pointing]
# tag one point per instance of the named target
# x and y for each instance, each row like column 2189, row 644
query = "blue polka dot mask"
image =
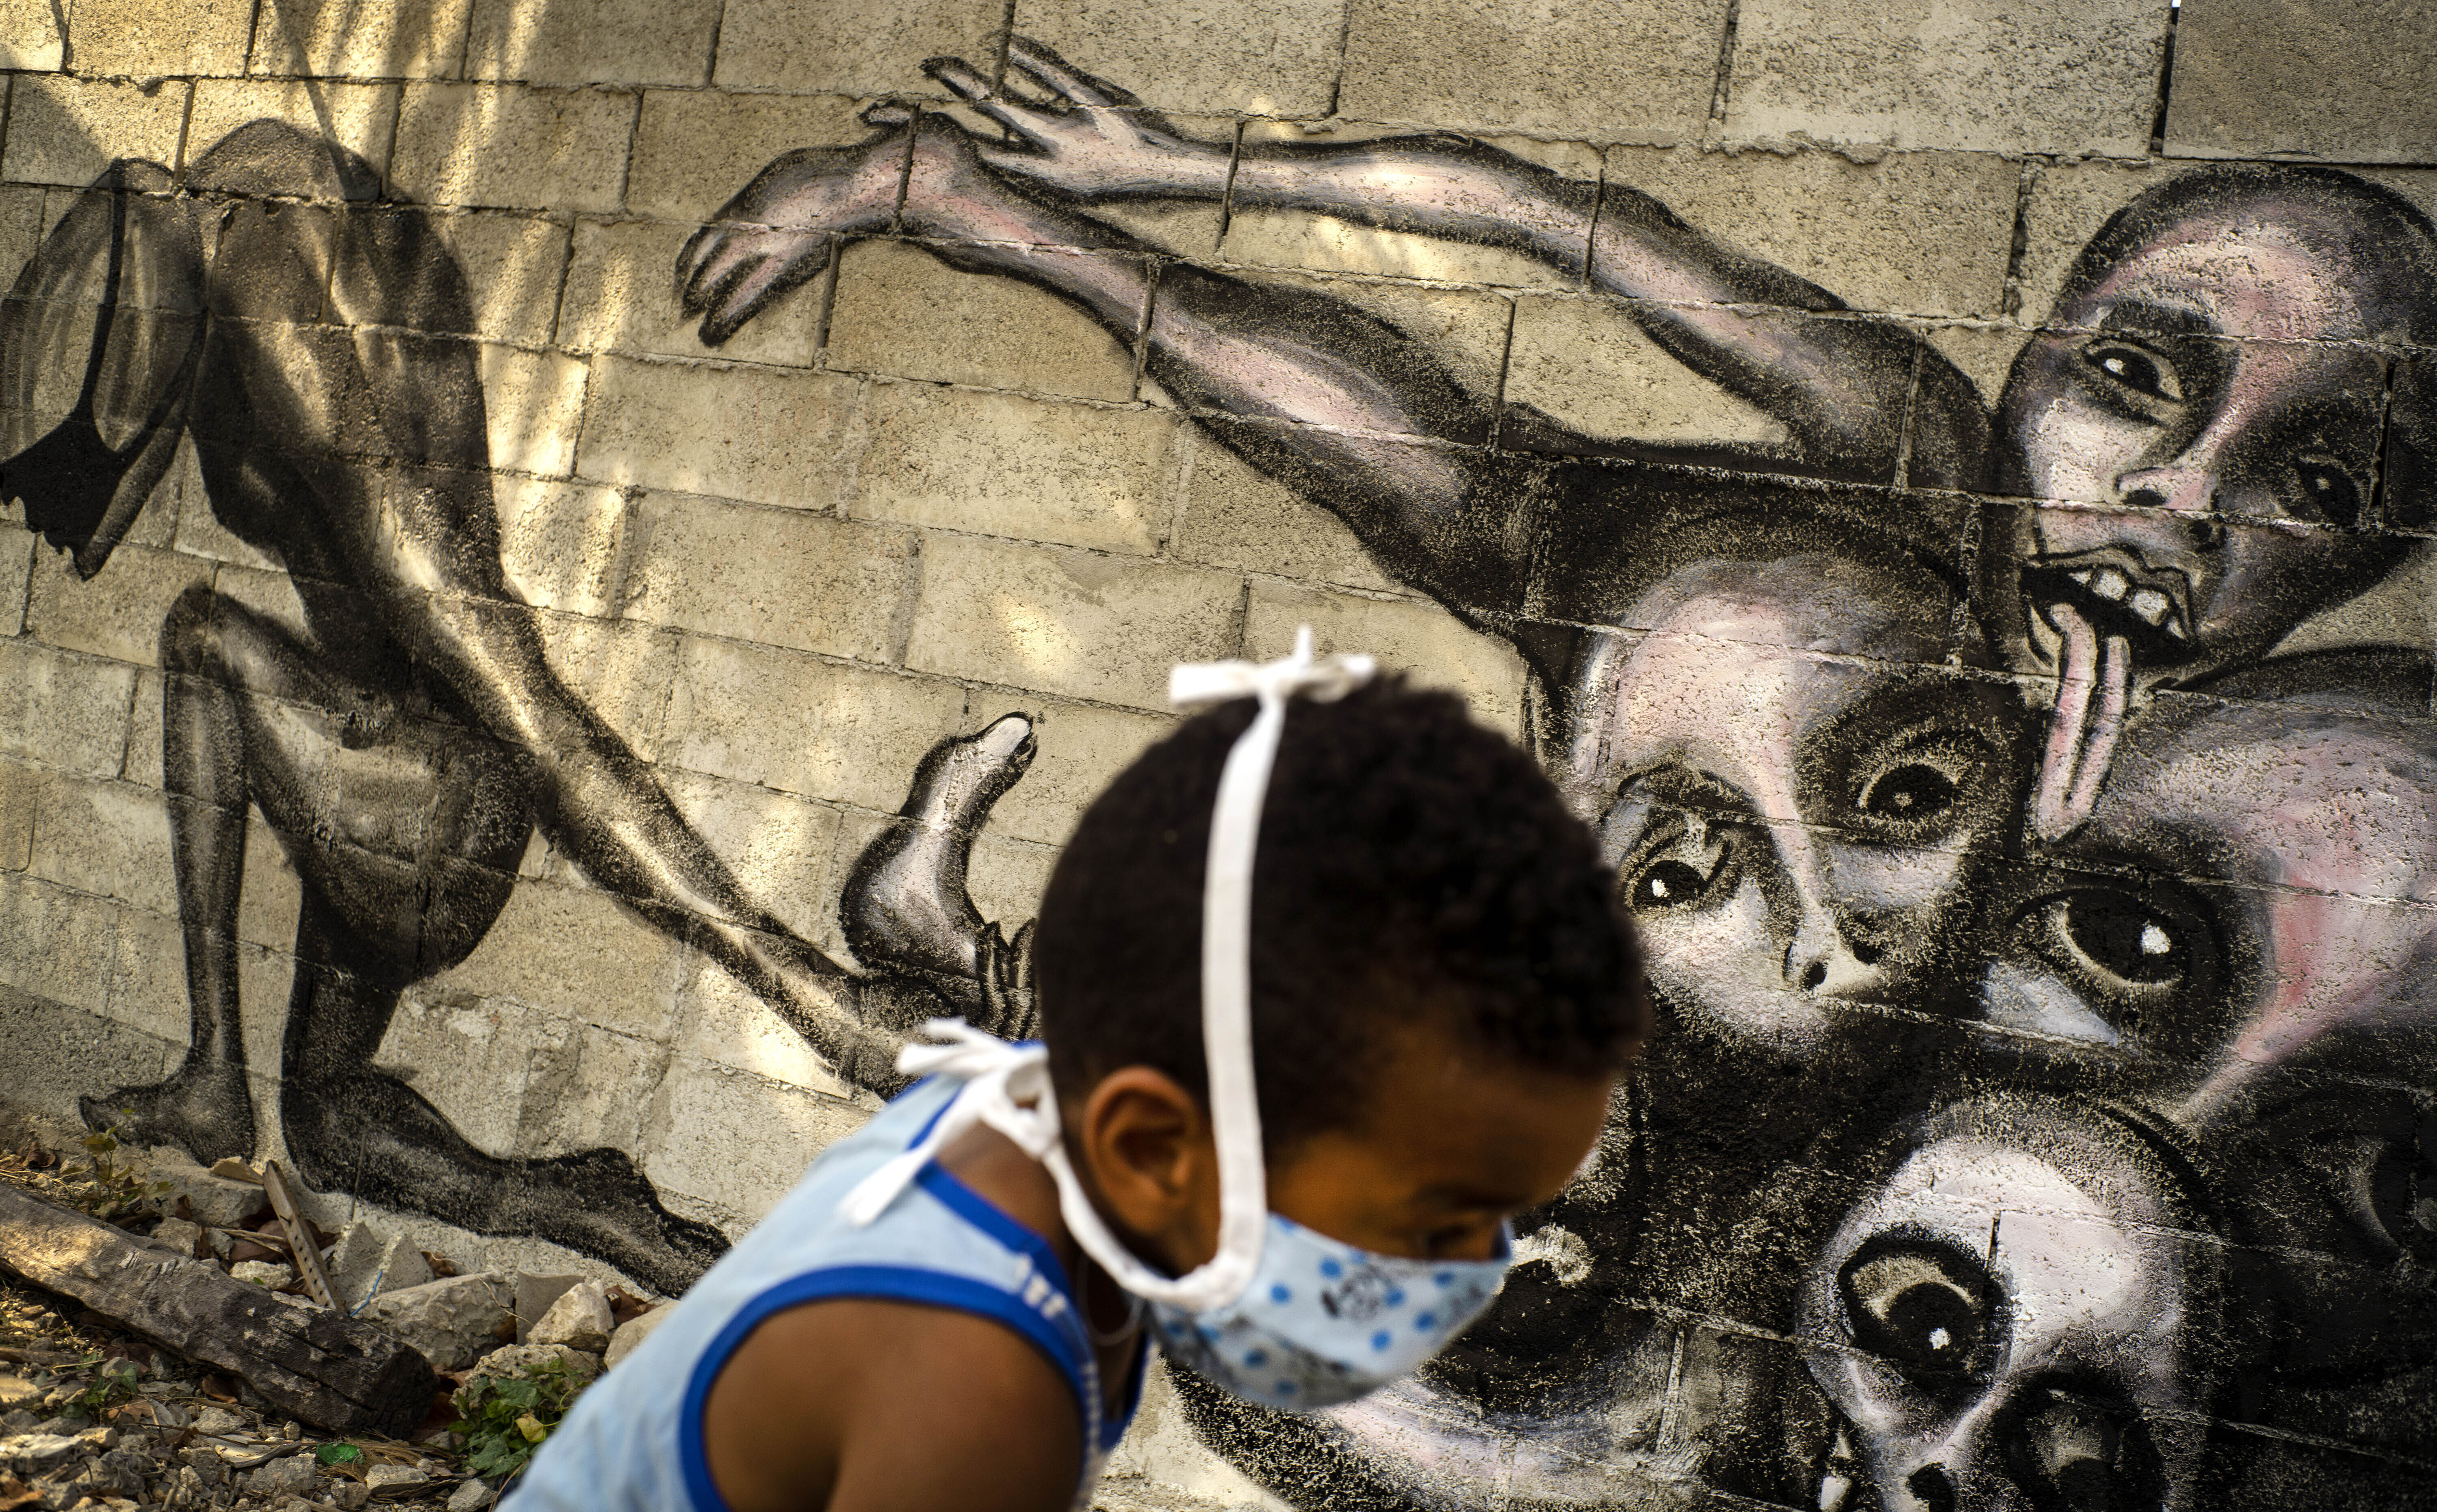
column 1280, row 1316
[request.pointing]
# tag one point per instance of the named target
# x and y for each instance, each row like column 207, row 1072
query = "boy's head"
column 1443, row 990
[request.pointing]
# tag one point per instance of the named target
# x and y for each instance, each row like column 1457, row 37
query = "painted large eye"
column 2325, row 494
column 1681, row 861
column 2111, row 933
column 1919, row 1305
column 1916, row 790
column 2136, row 368
column 1665, row 884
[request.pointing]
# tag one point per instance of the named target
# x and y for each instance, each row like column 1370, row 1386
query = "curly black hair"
column 1411, row 862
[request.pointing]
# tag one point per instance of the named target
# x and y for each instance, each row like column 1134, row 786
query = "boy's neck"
column 998, row 1170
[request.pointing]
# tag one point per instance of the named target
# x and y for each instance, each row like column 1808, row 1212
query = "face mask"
column 1280, row 1316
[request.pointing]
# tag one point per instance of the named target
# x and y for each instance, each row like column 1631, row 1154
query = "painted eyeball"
column 2325, row 492
column 2143, row 958
column 1927, row 1309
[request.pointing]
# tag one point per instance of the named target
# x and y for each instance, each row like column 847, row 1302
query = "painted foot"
column 205, row 1109
column 609, row 1211
column 905, row 907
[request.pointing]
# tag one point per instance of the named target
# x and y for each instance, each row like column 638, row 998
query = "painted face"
column 2252, row 884
column 1790, row 800
column 2004, row 1322
column 2209, row 436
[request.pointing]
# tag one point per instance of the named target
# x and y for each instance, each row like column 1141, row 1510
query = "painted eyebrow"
column 2144, row 318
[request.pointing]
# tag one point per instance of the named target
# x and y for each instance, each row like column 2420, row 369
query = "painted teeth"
column 2109, row 584
column 2082, row 578
column 2149, row 604
column 2175, row 628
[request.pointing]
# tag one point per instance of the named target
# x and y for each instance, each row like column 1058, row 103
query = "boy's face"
column 2208, row 407
column 1453, row 1143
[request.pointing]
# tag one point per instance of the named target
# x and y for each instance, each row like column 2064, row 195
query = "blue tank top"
column 633, row 1442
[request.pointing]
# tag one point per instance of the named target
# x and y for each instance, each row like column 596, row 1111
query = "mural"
column 2041, row 927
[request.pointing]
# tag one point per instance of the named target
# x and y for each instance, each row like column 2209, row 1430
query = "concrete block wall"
column 1943, row 486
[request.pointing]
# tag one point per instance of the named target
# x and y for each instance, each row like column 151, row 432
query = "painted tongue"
column 2093, row 684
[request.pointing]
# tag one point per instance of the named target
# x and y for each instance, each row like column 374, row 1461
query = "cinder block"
column 784, row 720
column 513, row 265
column 144, row 980
column 560, row 543
column 21, row 789
column 1601, row 72
column 151, row 39
column 1236, row 517
column 2274, row 78
column 695, row 148
column 1921, row 233
column 773, row 577
column 62, row 710
column 1996, row 76
column 512, row 147
column 1405, row 634
column 850, row 46
column 271, row 894
column 16, row 579
column 31, row 37
column 360, row 117
column 1080, row 749
column 593, row 1091
column 66, row 130
column 1589, row 364
column 735, row 1139
column 143, row 763
column 576, row 953
column 741, row 433
column 1007, row 876
column 119, row 613
column 1089, row 626
column 1295, row 239
column 2068, row 202
column 622, row 670
column 51, row 938
column 199, row 533
column 474, row 1058
column 779, row 845
column 900, row 310
column 599, row 41
column 1002, row 465
column 404, row 39
column 21, row 229
column 533, row 407
column 618, row 299
column 724, row 1024
column 106, row 838
column 1265, row 57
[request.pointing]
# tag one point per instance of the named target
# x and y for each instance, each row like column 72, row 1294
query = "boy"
column 1425, row 950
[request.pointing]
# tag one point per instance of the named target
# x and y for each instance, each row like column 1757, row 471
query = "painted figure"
column 407, row 739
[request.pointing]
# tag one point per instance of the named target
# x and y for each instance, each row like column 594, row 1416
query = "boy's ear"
column 1152, row 1157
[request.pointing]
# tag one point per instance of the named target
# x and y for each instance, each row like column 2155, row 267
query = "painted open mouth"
column 2119, row 595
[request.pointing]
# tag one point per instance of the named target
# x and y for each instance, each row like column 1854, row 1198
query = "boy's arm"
column 1841, row 383
column 870, row 1406
column 1354, row 415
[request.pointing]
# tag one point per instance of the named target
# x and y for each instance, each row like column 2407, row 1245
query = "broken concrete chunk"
column 381, row 1477
column 515, row 1361
column 213, row 1200
column 267, row 1274
column 294, row 1473
column 231, row 1168
column 30, row 1454
column 16, row 1391
column 579, row 1319
column 633, row 1332
column 178, row 1236
column 452, row 1322
column 535, row 1294
column 351, row 1496
column 367, row 1262
column 219, row 1422
column 470, row 1496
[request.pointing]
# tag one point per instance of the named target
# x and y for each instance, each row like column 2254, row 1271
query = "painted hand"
column 779, row 232
column 1085, row 136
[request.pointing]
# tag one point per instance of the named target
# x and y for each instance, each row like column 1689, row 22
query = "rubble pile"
column 96, row 1417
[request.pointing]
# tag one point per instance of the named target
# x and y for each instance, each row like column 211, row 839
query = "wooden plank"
column 315, row 1364
column 301, row 1248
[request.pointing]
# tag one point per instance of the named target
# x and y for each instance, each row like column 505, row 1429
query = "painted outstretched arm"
column 1841, row 383
column 1355, row 416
